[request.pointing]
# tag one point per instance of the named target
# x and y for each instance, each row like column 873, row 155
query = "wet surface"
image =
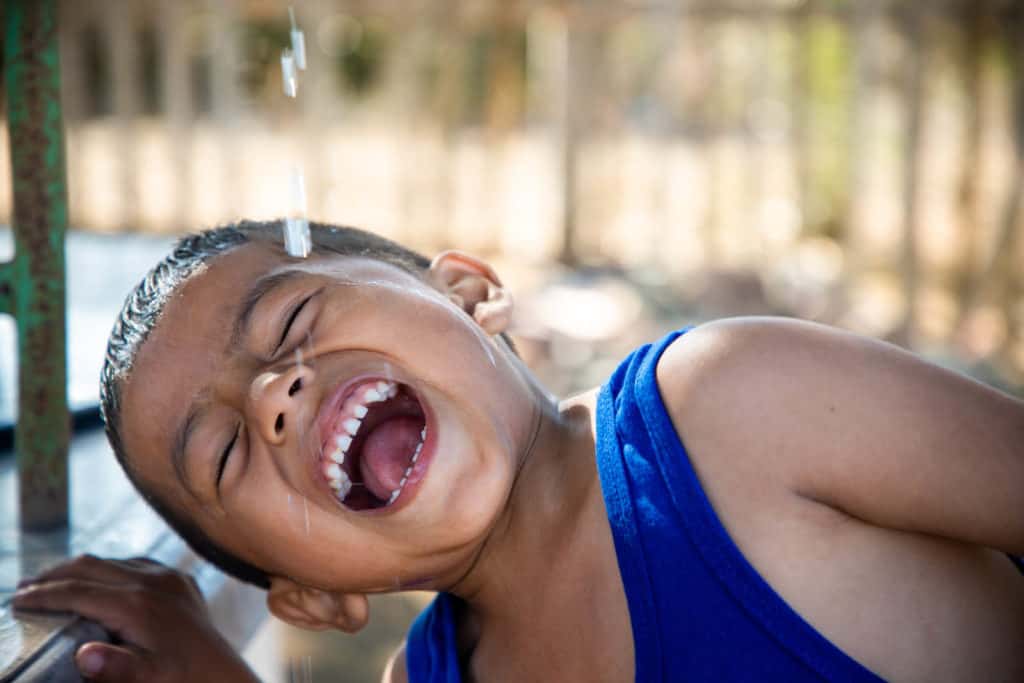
column 108, row 519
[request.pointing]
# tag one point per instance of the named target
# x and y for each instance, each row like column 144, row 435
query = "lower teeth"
column 408, row 470
column 342, row 485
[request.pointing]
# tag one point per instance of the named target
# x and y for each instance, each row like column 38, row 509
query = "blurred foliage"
column 778, row 135
column 358, row 52
column 495, row 76
column 825, row 62
column 261, row 43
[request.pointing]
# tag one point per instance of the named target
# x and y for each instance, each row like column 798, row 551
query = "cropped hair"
column 141, row 313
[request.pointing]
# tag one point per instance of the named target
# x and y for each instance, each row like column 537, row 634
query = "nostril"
column 279, row 423
column 295, row 387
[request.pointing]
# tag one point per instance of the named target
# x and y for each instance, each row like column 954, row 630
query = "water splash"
column 289, row 78
column 298, row 41
column 297, row 238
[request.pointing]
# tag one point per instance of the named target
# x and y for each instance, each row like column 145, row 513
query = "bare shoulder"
column 733, row 353
column 722, row 384
column 733, row 377
column 395, row 671
column 852, row 422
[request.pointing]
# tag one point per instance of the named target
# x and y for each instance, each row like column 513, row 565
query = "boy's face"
column 242, row 396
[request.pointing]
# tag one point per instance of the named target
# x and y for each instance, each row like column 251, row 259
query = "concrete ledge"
column 108, row 519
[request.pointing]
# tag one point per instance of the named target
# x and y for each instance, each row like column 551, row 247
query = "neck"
column 547, row 521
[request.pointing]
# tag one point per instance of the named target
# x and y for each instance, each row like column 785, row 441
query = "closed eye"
column 288, row 324
column 225, row 454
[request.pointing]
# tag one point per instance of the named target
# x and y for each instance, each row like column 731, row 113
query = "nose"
column 275, row 402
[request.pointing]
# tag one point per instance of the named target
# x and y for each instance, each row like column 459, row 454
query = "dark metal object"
column 32, row 285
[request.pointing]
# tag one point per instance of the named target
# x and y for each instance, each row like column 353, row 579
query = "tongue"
column 387, row 453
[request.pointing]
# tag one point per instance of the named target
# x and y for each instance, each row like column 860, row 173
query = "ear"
column 317, row 610
column 474, row 287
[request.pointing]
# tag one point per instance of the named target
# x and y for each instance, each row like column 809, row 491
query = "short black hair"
column 144, row 306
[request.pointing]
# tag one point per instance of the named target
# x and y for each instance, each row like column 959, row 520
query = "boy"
column 841, row 510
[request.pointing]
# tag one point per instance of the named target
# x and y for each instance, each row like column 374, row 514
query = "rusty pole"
column 32, row 284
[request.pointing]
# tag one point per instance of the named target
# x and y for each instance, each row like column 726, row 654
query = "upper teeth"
column 356, row 406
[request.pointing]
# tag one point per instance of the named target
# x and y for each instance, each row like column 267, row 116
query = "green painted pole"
column 5, row 288
column 32, row 284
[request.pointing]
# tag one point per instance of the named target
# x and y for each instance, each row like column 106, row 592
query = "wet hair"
column 141, row 313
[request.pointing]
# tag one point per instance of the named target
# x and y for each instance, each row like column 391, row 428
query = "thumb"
column 108, row 663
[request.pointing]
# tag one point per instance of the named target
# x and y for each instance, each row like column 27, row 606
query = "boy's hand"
column 157, row 616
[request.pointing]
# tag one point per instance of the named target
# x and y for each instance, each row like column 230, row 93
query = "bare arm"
column 856, row 424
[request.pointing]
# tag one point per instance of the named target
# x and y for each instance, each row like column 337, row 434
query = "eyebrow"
column 178, row 451
column 260, row 289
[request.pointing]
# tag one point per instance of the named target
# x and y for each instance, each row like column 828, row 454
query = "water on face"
column 302, row 437
column 433, row 298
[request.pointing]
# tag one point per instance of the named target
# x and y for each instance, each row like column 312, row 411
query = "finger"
column 159, row 576
column 108, row 663
column 121, row 610
column 86, row 567
column 144, row 562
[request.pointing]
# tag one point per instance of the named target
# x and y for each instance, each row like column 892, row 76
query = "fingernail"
column 90, row 662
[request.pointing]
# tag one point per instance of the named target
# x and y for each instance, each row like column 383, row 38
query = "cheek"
column 469, row 479
column 370, row 310
column 281, row 531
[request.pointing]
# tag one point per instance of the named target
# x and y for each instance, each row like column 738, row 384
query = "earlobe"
column 315, row 609
column 473, row 286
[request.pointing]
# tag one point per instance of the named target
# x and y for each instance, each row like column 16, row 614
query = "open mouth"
column 371, row 445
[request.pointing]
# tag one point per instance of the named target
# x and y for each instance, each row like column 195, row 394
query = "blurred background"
column 629, row 166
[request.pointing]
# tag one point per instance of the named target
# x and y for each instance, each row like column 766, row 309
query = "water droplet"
column 289, row 78
column 298, row 41
column 298, row 241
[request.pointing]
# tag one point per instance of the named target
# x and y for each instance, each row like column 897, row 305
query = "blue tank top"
column 699, row 610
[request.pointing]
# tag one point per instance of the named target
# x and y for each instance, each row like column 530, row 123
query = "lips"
column 372, row 434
